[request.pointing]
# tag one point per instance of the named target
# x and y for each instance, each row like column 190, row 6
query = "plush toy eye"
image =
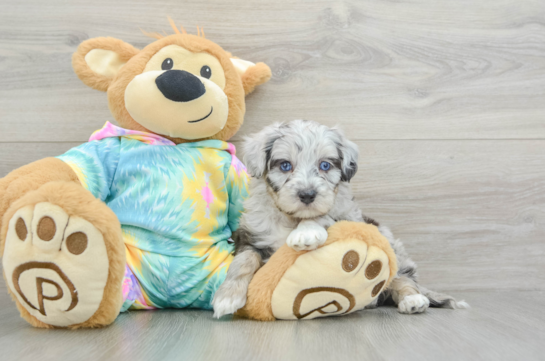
column 206, row 72
column 167, row 64
column 285, row 166
column 325, row 166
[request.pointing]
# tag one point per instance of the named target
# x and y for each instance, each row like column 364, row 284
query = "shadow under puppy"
column 301, row 172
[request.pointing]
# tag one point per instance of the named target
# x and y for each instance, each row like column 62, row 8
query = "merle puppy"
column 301, row 172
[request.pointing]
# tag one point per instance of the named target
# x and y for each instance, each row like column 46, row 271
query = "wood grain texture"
column 498, row 327
column 445, row 100
column 416, row 69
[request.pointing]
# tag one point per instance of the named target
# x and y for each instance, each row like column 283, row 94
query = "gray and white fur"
column 295, row 204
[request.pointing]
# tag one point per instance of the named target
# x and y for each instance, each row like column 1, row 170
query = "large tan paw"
column 336, row 279
column 344, row 275
column 55, row 265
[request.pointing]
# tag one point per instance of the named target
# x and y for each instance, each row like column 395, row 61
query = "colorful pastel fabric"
column 178, row 206
column 110, row 130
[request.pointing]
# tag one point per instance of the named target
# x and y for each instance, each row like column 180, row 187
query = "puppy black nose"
column 307, row 196
column 179, row 85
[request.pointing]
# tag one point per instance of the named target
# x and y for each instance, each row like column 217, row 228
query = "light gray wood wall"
column 446, row 100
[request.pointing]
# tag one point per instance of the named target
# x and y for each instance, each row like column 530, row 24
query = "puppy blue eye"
column 285, row 166
column 325, row 166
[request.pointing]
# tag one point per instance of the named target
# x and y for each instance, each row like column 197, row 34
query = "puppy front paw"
column 307, row 236
column 413, row 304
column 228, row 299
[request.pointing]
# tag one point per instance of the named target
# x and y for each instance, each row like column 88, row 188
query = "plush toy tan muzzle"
column 179, row 94
column 176, row 103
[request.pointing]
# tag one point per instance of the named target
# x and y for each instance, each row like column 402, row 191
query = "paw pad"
column 373, row 270
column 46, row 229
column 20, row 229
column 350, row 261
column 377, row 288
column 76, row 243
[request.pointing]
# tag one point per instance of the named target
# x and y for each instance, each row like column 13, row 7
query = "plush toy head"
column 183, row 87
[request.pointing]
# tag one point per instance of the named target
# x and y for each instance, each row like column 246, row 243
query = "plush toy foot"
column 63, row 258
column 344, row 275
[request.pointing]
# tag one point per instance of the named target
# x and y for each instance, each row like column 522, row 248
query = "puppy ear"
column 251, row 74
column 257, row 150
column 348, row 152
column 97, row 61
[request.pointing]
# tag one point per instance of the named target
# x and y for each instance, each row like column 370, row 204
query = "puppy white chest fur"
column 272, row 227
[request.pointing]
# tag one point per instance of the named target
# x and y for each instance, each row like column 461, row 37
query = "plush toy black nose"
column 307, row 196
column 180, row 86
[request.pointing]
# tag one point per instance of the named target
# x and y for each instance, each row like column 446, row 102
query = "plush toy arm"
column 237, row 188
column 95, row 164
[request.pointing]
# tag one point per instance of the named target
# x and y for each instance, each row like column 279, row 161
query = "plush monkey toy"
column 140, row 216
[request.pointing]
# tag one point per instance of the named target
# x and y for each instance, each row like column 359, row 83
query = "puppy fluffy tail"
column 443, row 300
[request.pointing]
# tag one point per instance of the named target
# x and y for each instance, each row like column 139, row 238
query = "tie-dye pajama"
column 178, row 206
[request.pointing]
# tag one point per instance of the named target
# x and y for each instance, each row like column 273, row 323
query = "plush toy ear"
column 97, row 61
column 251, row 74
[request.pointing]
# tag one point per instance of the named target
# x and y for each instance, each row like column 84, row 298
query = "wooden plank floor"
column 498, row 327
column 446, row 100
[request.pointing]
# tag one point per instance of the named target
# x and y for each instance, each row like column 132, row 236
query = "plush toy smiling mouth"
column 171, row 101
column 198, row 120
